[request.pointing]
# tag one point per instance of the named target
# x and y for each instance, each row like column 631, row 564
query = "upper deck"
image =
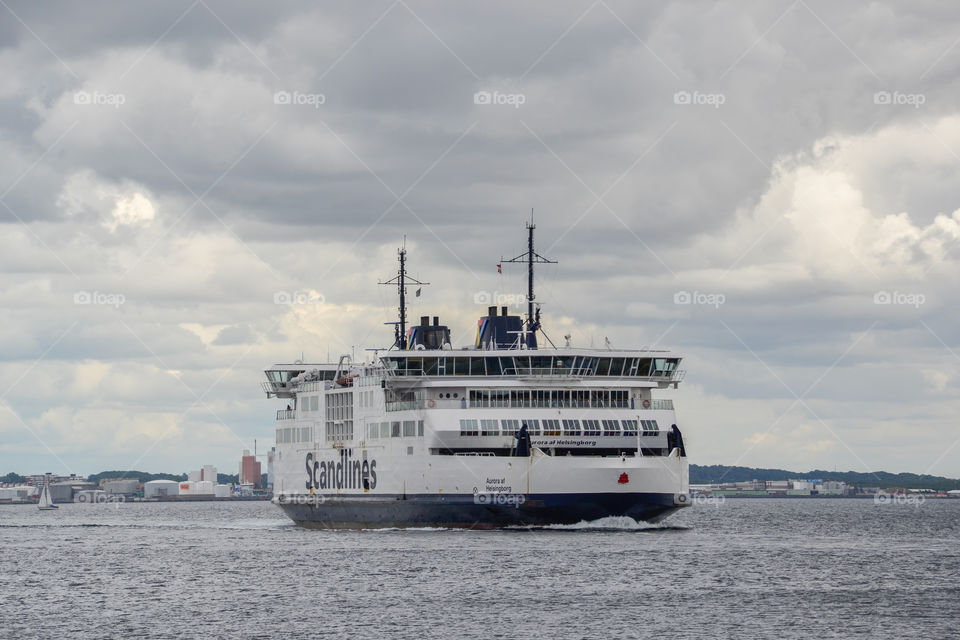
column 568, row 362
column 642, row 367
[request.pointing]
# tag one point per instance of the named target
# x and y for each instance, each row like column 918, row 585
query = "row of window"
column 524, row 365
column 394, row 429
column 510, row 427
column 368, row 399
column 339, row 408
column 339, row 431
column 343, row 431
column 557, row 398
column 309, row 403
column 294, row 434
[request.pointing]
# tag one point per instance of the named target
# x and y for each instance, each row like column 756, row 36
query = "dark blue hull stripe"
column 475, row 512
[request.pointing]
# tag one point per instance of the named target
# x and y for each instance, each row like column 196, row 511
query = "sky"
column 191, row 191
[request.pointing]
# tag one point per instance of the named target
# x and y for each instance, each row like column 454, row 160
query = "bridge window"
column 533, row 427
column 650, row 427
column 510, row 427
column 409, row 428
column 419, row 427
column 468, row 428
column 551, row 427
column 493, row 366
column 395, row 429
column 630, row 427
column 384, row 429
column 617, row 365
column 644, row 366
column 477, row 367
column 663, row 366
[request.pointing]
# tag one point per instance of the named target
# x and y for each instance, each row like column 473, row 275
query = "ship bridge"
column 653, row 367
column 283, row 380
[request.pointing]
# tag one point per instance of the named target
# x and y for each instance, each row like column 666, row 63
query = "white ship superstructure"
column 496, row 433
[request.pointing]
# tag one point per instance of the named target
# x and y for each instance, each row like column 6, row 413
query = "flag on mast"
column 418, row 291
column 499, row 268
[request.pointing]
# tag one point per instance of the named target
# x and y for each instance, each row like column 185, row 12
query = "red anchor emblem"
column 624, row 478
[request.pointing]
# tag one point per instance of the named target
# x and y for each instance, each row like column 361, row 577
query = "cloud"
column 164, row 171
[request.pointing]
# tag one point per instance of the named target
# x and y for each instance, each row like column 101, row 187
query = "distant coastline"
column 716, row 474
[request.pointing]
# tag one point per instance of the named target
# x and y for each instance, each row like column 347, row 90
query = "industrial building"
column 126, row 487
column 270, row 456
column 207, row 473
column 196, row 488
column 161, row 489
column 249, row 469
column 67, row 491
column 794, row 487
column 16, row 494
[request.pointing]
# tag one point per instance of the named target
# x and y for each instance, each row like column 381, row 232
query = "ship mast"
column 531, row 257
column 402, row 280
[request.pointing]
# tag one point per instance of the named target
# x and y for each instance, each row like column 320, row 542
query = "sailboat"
column 46, row 502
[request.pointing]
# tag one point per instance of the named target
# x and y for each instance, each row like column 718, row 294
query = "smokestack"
column 503, row 311
column 436, row 321
column 491, row 311
column 424, row 321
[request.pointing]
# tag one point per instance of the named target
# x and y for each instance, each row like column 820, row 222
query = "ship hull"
column 474, row 512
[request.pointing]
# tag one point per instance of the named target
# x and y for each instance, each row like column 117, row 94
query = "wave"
column 610, row 523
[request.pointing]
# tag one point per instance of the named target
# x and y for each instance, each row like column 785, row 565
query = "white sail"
column 45, row 501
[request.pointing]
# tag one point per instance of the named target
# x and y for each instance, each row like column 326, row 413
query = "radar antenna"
column 402, row 280
column 531, row 257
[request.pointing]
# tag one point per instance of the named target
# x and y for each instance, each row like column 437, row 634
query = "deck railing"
column 405, row 405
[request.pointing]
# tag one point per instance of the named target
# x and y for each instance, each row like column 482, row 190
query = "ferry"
column 499, row 433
